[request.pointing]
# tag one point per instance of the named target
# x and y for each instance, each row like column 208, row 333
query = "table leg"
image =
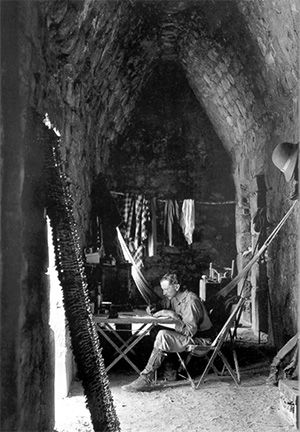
column 132, row 337
column 129, row 348
column 122, row 353
column 128, row 341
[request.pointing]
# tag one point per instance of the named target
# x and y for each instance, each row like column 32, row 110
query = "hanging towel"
column 138, row 219
column 187, row 220
column 171, row 213
column 152, row 237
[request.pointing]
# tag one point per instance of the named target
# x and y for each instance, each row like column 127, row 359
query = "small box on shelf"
column 92, row 258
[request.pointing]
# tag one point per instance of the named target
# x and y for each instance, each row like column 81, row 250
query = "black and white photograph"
column 149, row 222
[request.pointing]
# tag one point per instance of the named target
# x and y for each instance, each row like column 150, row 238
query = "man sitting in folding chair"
column 210, row 352
column 193, row 326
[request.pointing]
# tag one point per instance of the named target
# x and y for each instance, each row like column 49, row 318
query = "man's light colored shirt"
column 191, row 311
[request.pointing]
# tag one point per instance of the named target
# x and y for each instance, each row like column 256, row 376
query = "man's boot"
column 145, row 380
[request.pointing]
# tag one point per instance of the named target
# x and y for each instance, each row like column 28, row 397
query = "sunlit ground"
column 218, row 406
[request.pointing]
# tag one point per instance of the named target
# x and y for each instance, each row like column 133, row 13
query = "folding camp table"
column 107, row 328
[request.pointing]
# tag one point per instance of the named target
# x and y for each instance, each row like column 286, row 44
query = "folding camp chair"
column 210, row 352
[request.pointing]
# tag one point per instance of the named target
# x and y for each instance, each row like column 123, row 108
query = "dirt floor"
column 218, row 406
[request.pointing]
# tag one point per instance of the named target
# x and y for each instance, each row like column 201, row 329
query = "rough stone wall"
column 274, row 27
column 239, row 58
column 95, row 62
column 172, row 152
column 217, row 76
column 85, row 63
column 251, row 103
column 27, row 398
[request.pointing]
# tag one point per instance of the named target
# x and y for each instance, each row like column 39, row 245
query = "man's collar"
column 181, row 295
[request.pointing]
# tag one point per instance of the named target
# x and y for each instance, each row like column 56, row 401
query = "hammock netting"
column 71, row 273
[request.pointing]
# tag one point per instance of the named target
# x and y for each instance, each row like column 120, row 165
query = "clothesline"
column 198, row 202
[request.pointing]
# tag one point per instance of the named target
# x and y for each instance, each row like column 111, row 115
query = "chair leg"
column 229, row 368
column 208, row 366
column 223, row 370
column 215, row 369
column 186, row 371
column 236, row 365
column 186, row 362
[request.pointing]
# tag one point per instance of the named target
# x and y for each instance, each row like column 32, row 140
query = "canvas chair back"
column 229, row 322
column 219, row 311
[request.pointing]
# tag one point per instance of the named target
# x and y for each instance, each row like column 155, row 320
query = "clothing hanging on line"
column 214, row 203
column 128, row 213
column 152, row 237
column 136, row 214
column 142, row 218
column 171, row 213
column 187, row 220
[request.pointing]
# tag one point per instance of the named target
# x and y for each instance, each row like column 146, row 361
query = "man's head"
column 170, row 285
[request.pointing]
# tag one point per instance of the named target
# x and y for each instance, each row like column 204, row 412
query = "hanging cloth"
column 171, row 213
column 187, row 220
column 145, row 219
column 128, row 212
column 138, row 219
column 140, row 229
column 142, row 219
column 136, row 215
column 152, row 237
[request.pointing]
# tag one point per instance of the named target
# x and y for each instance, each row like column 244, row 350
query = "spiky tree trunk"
column 71, row 272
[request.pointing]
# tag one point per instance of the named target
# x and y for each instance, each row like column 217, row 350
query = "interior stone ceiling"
column 155, row 24
column 99, row 54
column 85, row 36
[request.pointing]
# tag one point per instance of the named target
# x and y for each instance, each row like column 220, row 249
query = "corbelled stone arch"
column 273, row 28
column 96, row 61
column 216, row 74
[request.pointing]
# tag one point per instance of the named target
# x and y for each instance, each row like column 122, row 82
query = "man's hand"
column 166, row 314
column 150, row 309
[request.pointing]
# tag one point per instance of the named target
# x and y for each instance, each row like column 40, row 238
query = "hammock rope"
column 232, row 284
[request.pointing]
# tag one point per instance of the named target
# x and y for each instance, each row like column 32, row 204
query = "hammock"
column 142, row 285
column 149, row 295
column 229, row 287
